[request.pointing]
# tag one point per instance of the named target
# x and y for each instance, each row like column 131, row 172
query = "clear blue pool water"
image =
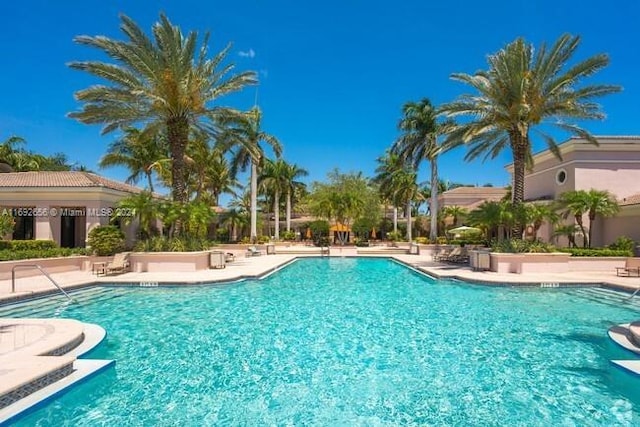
column 351, row 342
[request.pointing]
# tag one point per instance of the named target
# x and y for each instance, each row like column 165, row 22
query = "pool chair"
column 253, row 251
column 120, row 264
column 229, row 257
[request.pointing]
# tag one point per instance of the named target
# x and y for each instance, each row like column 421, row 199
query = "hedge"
column 25, row 245
column 12, row 255
column 591, row 252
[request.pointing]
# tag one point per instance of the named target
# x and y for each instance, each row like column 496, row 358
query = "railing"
column 634, row 294
column 13, row 277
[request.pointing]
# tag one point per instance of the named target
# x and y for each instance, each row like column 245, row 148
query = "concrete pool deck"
column 253, row 267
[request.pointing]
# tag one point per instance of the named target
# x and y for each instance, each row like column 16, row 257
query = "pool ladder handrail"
column 634, row 294
column 13, row 277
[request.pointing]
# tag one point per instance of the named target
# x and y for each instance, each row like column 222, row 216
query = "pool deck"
column 257, row 266
column 40, row 332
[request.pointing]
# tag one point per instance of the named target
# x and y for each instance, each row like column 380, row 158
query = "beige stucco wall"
column 49, row 200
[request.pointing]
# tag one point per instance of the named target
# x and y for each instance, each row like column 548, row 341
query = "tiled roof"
column 634, row 199
column 62, row 179
column 498, row 191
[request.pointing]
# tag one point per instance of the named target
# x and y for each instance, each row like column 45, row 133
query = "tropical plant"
column 291, row 173
column 456, row 213
column 235, row 220
column 106, row 240
column 520, row 91
column 12, row 154
column 623, row 243
column 388, row 166
column 419, row 141
column 163, row 84
column 593, row 203
column 140, row 152
column 7, row 223
column 244, row 134
column 569, row 231
column 273, row 180
column 537, row 214
column 141, row 207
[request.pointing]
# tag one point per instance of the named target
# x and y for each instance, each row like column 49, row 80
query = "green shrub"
column 395, row 236
column 363, row 243
column 322, row 241
column 12, row 255
column 6, row 225
column 106, row 240
column 422, row 240
column 263, row 239
column 597, row 252
column 288, row 235
column 319, row 228
column 174, row 244
column 623, row 243
column 23, row 245
column 517, row 246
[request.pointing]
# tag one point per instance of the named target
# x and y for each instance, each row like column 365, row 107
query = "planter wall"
column 168, row 261
column 50, row 265
column 556, row 262
column 584, row 263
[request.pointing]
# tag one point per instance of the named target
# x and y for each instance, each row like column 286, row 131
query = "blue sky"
column 333, row 74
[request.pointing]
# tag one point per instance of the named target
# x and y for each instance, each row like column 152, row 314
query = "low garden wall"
column 168, row 261
column 50, row 265
column 556, row 262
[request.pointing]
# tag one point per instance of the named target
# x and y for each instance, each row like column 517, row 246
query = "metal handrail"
column 634, row 294
column 13, row 277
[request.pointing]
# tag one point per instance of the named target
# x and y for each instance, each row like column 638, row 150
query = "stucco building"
column 60, row 206
column 613, row 165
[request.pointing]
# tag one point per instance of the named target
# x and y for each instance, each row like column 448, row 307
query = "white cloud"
column 247, row 54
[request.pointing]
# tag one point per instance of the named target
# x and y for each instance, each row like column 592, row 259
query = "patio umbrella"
column 373, row 233
column 462, row 229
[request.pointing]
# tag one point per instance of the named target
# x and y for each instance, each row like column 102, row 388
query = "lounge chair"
column 253, row 251
column 229, row 257
column 120, row 264
column 631, row 268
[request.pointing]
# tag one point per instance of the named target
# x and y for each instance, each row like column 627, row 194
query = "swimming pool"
column 347, row 341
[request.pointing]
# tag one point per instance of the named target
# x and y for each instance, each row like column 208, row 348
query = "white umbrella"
column 462, row 229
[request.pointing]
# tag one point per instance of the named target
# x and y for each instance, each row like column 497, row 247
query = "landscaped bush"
column 623, row 243
column 361, row 242
column 322, row 241
column 174, row 244
column 395, row 236
column 106, row 240
column 263, row 239
column 6, row 225
column 12, row 255
column 319, row 228
column 517, row 246
column 25, row 245
column 288, row 235
column 422, row 240
column 597, row 252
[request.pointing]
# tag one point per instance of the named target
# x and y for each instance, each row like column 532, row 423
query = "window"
column 561, row 177
column 23, row 229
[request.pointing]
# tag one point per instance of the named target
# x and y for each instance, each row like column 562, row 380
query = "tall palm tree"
column 138, row 151
column 388, row 166
column 521, row 91
column 593, row 203
column 243, row 133
column 291, row 173
column 418, row 142
column 162, row 84
column 273, row 180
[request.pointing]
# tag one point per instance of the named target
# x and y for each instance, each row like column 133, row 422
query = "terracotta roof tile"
column 634, row 199
column 62, row 179
column 477, row 190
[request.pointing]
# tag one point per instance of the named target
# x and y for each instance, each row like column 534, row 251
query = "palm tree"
column 491, row 217
column 273, row 179
column 234, row 219
column 593, row 203
column 418, row 142
column 455, row 212
column 521, row 91
column 138, row 151
column 16, row 157
column 244, row 133
column 143, row 207
column 388, row 166
column 291, row 173
column 162, row 84
column 537, row 214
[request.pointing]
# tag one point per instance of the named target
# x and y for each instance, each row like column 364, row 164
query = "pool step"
column 607, row 296
column 56, row 304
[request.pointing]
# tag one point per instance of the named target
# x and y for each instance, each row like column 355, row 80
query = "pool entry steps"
column 39, row 359
column 628, row 336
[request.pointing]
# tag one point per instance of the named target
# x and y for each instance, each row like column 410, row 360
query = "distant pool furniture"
column 229, row 257
column 99, row 268
column 120, row 264
column 631, row 268
column 253, row 251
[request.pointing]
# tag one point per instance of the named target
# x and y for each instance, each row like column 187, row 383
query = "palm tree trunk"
column 254, row 201
column 520, row 147
column 178, row 135
column 433, row 232
column 409, row 227
column 288, row 209
column 395, row 219
column 276, row 213
column 150, row 181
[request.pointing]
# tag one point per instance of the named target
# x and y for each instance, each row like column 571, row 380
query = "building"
column 61, row 206
column 613, row 165
column 470, row 198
